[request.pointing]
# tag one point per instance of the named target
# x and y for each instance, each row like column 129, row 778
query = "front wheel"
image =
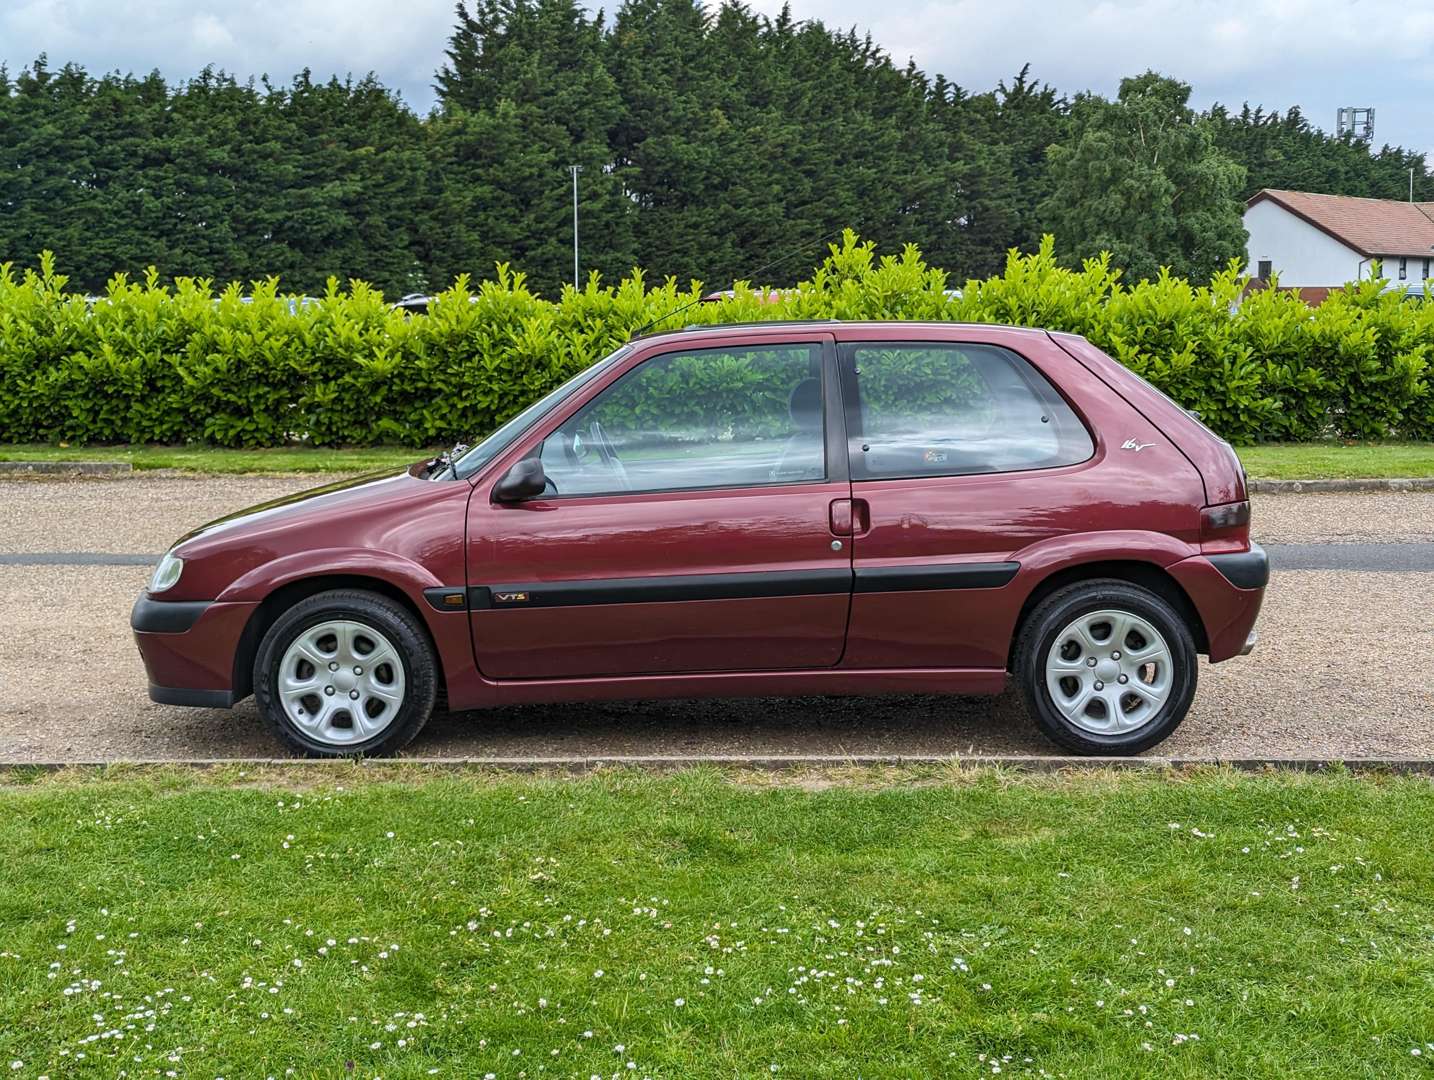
column 345, row 673
column 1106, row 667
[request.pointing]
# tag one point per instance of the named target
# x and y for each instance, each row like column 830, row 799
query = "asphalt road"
column 1345, row 665
column 1411, row 557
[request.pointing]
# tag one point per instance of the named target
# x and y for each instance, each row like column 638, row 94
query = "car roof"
column 788, row 325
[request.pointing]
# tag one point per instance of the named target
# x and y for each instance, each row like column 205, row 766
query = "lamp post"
column 575, row 169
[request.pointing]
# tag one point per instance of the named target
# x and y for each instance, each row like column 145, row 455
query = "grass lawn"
column 383, row 922
column 1328, row 460
column 1289, row 461
column 211, row 460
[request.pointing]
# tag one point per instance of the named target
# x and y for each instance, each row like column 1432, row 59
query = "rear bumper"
column 1244, row 569
column 1227, row 591
column 188, row 648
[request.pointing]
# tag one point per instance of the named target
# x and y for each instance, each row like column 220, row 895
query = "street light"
column 575, row 169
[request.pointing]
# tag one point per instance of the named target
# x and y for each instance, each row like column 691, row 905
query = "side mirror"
column 525, row 480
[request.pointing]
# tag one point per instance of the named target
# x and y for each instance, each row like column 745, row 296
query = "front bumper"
column 189, row 649
column 1227, row 591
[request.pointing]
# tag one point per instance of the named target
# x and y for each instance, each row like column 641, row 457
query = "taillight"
column 1227, row 525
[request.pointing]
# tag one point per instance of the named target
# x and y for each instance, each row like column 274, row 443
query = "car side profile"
column 770, row 509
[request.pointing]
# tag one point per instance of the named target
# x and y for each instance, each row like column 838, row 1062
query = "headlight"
column 166, row 574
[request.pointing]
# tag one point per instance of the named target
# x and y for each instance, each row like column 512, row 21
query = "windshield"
column 500, row 439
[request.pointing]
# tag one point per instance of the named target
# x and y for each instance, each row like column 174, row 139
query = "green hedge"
column 176, row 364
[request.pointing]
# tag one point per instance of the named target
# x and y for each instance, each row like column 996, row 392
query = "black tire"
column 393, row 621
column 1038, row 635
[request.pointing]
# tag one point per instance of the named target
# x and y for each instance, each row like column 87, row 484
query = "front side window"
column 937, row 409
column 740, row 416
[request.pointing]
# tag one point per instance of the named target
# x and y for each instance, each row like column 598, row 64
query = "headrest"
column 805, row 405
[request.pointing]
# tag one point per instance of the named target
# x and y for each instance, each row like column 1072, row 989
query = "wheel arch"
column 1147, row 575
column 285, row 596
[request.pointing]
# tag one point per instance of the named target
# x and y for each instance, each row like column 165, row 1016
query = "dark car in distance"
column 770, row 509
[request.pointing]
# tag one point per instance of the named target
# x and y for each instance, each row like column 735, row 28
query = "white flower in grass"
column 679, row 1002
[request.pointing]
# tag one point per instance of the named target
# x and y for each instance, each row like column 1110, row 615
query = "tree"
column 1142, row 178
column 1287, row 151
column 526, row 77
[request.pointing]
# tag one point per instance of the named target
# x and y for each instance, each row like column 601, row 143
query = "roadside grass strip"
column 1338, row 461
column 940, row 922
column 1271, row 461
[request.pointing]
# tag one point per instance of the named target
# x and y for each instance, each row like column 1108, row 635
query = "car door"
column 962, row 453
column 687, row 525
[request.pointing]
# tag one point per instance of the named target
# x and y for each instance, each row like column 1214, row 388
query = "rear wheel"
column 345, row 673
column 1106, row 667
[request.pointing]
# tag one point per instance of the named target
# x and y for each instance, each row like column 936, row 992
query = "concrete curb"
column 64, row 468
column 760, row 762
column 1323, row 487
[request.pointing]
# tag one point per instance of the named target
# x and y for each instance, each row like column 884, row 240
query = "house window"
column 1426, row 269
column 1403, row 269
column 1266, row 269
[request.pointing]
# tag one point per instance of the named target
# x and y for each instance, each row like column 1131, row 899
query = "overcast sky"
column 1319, row 54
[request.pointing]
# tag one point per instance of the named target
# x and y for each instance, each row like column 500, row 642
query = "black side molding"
column 680, row 587
column 650, row 590
column 165, row 616
column 947, row 576
column 199, row 699
column 1244, row 569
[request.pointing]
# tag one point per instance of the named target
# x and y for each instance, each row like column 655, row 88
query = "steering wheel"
column 608, row 453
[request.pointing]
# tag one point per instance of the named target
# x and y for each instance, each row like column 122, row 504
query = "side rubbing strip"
column 951, row 576
column 659, row 590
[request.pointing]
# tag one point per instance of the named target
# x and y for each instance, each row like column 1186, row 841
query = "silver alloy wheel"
column 341, row 682
column 1109, row 672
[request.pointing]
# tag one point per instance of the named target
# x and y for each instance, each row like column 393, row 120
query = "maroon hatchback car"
column 775, row 509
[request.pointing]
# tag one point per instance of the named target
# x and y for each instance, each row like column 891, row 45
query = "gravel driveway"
column 1319, row 684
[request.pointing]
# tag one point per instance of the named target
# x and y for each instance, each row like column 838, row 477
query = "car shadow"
column 906, row 724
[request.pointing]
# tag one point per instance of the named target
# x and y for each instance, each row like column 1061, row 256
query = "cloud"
column 401, row 42
column 1319, row 54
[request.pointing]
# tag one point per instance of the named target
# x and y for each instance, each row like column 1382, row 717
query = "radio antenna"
column 916, row 193
column 760, row 270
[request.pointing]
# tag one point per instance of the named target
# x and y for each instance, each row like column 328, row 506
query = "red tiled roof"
column 1370, row 226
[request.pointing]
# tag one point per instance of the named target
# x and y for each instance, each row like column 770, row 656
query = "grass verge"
column 213, row 460
column 1284, row 461
column 708, row 925
column 1336, row 461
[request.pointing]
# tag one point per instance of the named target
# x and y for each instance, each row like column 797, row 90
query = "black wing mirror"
column 525, row 480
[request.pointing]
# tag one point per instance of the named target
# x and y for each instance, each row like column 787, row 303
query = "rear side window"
column 938, row 409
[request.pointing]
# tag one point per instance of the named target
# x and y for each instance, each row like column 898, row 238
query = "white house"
column 1315, row 243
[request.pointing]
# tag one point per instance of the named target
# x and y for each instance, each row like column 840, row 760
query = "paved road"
column 1395, row 558
column 1345, row 665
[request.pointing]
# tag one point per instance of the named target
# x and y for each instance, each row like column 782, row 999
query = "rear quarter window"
column 946, row 409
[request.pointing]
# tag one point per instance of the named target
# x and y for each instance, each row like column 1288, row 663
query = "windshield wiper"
column 445, row 460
